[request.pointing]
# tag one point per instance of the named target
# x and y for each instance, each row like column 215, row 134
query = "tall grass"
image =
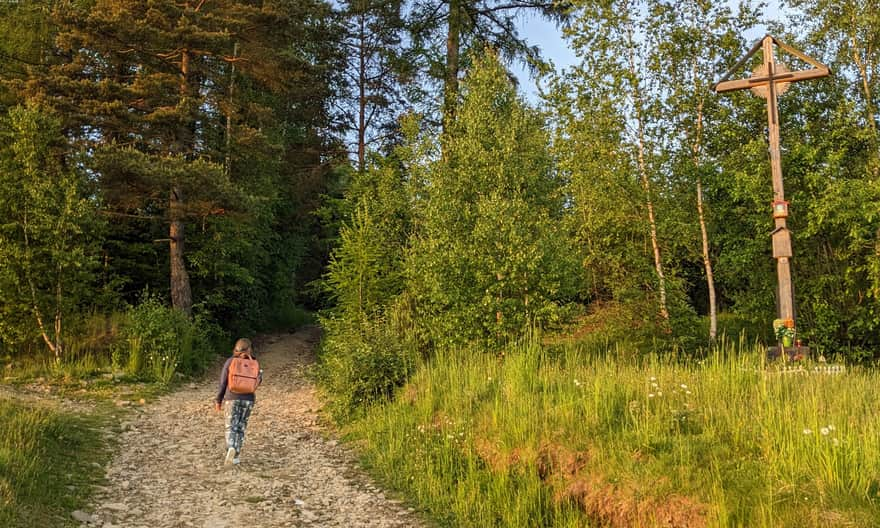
column 568, row 435
column 49, row 462
column 149, row 342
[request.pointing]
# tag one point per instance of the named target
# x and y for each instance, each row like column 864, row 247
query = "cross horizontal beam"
column 741, row 84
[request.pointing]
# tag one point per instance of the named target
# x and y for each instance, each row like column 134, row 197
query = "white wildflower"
column 650, row 395
column 683, row 386
column 808, row 431
column 825, row 431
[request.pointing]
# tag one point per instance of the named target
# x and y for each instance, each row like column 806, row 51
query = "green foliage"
column 489, row 257
column 40, row 482
column 365, row 271
column 286, row 316
column 232, row 153
column 159, row 341
column 568, row 435
column 604, row 226
column 829, row 154
column 362, row 364
column 362, row 357
column 49, row 229
column 24, row 31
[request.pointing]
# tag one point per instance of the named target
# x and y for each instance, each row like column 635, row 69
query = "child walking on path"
column 236, row 406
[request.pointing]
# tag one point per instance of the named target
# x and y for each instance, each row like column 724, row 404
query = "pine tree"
column 379, row 66
column 455, row 28
column 184, row 103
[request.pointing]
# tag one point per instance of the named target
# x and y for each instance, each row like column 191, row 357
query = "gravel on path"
column 168, row 471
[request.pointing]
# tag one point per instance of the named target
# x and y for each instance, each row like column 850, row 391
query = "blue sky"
column 549, row 38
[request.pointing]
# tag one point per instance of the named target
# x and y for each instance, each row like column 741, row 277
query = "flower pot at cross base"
column 786, row 341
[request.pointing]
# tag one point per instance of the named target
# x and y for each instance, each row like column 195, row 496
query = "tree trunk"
column 707, row 264
column 453, row 42
column 362, row 94
column 646, row 185
column 181, row 295
column 658, row 261
column 55, row 347
column 863, row 73
column 229, row 112
column 58, row 301
column 697, row 148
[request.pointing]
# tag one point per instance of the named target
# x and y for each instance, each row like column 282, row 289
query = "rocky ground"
column 169, row 473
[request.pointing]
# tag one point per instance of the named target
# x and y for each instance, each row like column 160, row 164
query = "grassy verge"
column 567, row 436
column 49, row 462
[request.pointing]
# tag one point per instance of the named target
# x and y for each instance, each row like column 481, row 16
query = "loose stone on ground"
column 168, row 472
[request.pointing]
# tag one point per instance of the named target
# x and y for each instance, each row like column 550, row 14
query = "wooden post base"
column 792, row 353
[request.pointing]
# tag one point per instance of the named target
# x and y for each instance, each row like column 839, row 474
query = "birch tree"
column 49, row 229
column 849, row 31
column 609, row 40
column 693, row 37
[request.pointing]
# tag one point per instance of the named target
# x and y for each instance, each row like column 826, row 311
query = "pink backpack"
column 244, row 374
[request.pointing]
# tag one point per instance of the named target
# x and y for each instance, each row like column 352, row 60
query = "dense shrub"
column 158, row 341
column 361, row 364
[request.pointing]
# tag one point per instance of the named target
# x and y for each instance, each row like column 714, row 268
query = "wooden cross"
column 770, row 80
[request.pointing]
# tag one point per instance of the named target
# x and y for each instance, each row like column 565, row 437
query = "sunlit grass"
column 567, row 436
column 49, row 463
column 86, row 353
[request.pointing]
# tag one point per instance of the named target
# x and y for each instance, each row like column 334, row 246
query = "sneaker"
column 236, row 461
column 230, row 456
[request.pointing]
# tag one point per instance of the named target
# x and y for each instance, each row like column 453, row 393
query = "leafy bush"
column 159, row 341
column 361, row 364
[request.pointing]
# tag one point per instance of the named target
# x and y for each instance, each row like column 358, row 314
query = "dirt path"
column 168, row 472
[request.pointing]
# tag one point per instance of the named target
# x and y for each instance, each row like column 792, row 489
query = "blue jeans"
column 236, row 413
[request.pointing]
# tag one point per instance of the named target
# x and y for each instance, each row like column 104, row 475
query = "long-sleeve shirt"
column 223, row 392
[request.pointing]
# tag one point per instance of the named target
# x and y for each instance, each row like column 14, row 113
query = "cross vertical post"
column 770, row 80
column 785, row 294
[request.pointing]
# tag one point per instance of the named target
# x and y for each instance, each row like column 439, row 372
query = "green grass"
column 568, row 435
column 49, row 462
column 50, row 458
